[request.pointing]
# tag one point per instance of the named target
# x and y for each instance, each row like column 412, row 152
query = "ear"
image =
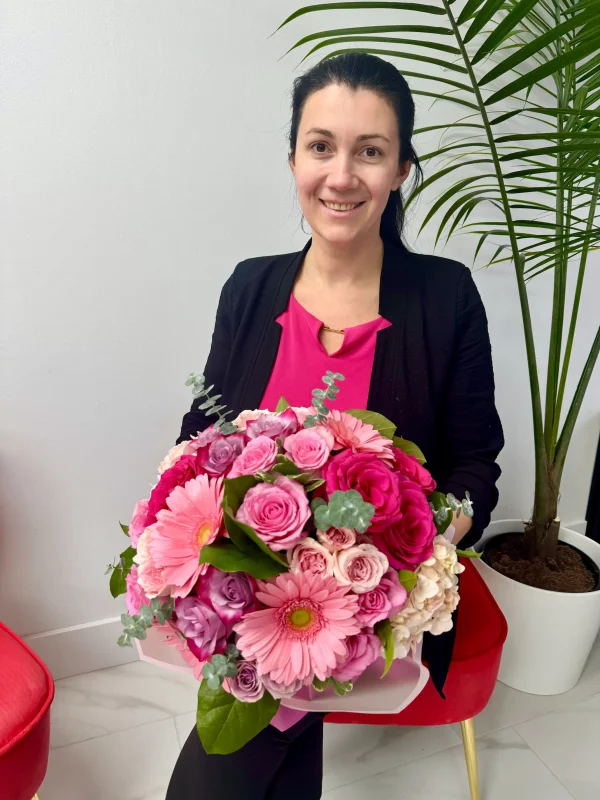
column 402, row 174
column 292, row 163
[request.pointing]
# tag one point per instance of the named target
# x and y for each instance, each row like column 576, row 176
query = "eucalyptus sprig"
column 210, row 404
column 221, row 667
column 135, row 626
column 319, row 397
column 344, row 510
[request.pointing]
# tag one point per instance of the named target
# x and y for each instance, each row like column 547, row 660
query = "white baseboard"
column 82, row 648
column 579, row 526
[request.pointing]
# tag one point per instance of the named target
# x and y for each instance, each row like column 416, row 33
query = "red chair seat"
column 26, row 692
column 480, row 635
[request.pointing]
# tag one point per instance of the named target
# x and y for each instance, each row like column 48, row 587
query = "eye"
column 318, row 144
column 376, row 149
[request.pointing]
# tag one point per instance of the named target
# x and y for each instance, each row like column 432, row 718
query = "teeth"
column 341, row 206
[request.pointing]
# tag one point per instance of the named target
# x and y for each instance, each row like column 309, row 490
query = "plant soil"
column 569, row 573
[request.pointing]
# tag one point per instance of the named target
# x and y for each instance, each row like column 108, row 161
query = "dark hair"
column 358, row 70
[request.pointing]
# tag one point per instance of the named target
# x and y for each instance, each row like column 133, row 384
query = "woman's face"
column 347, row 152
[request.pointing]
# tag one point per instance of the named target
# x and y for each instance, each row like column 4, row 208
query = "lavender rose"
column 278, row 690
column 230, row 594
column 247, row 686
column 278, row 512
column 382, row 602
column 217, row 456
column 336, row 539
column 311, row 556
column 362, row 650
column 258, row 455
column 309, row 449
column 205, row 632
column 275, row 426
column 361, row 566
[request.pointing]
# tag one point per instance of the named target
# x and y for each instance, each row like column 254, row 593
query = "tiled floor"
column 116, row 735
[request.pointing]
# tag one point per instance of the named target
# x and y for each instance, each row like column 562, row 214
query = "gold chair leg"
column 468, row 734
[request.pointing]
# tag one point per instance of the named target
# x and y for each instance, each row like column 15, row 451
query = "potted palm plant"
column 524, row 155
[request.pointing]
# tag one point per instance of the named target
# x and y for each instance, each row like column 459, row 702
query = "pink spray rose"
column 278, row 512
column 362, row 650
column 337, row 538
column 230, row 594
column 135, row 596
column 186, row 468
column 247, row 686
column 149, row 576
column 206, row 634
column 310, row 555
column 258, row 455
column 382, row 602
column 361, row 566
column 216, row 457
column 408, row 466
column 408, row 541
column 275, row 426
column 368, row 475
column 138, row 521
column 309, row 449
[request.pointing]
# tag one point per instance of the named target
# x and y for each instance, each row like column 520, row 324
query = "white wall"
column 143, row 155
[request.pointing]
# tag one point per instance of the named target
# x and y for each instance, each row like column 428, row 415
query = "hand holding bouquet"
column 285, row 550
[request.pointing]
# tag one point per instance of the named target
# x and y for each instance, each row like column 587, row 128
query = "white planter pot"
column 550, row 634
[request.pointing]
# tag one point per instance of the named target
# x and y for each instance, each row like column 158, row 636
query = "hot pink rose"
column 278, row 512
column 337, row 538
column 138, row 521
column 361, row 566
column 186, row 468
column 362, row 650
column 310, row 555
column 258, row 455
column 216, row 457
column 372, row 478
column 409, row 467
column 275, row 426
column 382, row 602
column 135, row 596
column 408, row 541
column 309, row 449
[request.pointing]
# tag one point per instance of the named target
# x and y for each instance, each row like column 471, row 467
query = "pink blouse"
column 302, row 361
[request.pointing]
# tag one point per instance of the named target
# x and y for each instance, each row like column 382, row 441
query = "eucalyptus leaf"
column 442, row 514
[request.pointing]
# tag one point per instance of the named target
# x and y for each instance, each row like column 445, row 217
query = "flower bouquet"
column 287, row 554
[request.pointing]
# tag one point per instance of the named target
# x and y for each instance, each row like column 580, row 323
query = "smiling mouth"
column 341, row 206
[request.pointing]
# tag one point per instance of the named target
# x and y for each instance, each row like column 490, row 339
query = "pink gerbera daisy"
column 301, row 634
column 358, row 436
column 193, row 519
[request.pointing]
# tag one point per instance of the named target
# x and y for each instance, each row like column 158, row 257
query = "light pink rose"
column 172, row 457
column 311, row 556
column 361, row 566
column 362, row 650
column 258, row 455
column 138, row 521
column 309, row 449
column 278, row 690
column 135, row 596
column 278, row 512
column 276, row 426
column 336, row 539
column 245, row 417
column 150, row 577
column 382, row 602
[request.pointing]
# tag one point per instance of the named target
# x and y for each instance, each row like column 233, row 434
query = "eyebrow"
column 361, row 138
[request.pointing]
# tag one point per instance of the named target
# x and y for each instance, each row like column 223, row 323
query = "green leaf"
column 310, row 487
column 235, row 491
column 410, row 448
column 341, row 689
column 468, row 553
column 408, row 579
column 378, row 421
column 117, row 583
column 285, row 466
column 224, row 555
column 244, row 536
column 438, row 501
column 124, row 528
column 225, row 724
column 383, row 629
column 281, row 405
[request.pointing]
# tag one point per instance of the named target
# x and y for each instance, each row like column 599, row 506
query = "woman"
column 408, row 331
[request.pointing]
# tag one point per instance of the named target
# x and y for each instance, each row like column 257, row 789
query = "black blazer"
column 432, row 372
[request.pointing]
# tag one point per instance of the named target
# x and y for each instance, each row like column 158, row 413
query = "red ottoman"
column 26, row 692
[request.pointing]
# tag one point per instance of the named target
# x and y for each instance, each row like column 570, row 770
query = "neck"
column 354, row 262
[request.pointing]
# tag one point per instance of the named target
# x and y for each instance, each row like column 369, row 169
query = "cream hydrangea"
column 430, row 604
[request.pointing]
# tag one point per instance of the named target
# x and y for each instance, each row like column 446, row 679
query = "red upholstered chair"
column 480, row 635
column 26, row 692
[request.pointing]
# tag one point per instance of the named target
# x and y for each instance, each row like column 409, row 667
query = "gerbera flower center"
column 301, row 618
column 204, row 533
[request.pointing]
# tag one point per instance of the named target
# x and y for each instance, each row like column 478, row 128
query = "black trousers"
column 275, row 765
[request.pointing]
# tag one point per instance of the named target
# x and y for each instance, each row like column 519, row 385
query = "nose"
column 341, row 176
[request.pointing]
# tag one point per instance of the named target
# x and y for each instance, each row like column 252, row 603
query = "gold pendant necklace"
column 332, row 330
